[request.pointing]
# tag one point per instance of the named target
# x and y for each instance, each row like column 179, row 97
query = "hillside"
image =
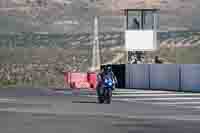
column 41, row 59
column 64, row 16
column 181, row 47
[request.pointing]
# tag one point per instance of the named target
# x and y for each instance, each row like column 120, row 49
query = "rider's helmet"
column 108, row 69
column 104, row 69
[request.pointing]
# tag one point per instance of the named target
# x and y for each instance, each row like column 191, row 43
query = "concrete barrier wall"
column 129, row 76
column 164, row 76
column 190, row 77
column 141, row 76
column 137, row 76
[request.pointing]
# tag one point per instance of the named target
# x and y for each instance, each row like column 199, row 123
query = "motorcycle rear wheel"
column 100, row 95
column 100, row 100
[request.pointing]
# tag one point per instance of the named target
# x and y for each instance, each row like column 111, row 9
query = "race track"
column 43, row 110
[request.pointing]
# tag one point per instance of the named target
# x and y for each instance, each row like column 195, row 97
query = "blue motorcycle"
column 105, row 91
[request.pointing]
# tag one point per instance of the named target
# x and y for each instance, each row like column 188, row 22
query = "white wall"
column 140, row 40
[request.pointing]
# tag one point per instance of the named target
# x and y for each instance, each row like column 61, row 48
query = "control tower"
column 141, row 32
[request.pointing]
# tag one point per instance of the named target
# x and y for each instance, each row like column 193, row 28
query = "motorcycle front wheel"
column 108, row 96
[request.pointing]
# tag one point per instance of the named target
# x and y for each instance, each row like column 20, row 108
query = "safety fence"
column 176, row 77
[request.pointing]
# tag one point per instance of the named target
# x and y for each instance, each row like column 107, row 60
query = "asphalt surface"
column 46, row 111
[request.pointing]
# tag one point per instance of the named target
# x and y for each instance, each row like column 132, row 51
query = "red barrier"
column 92, row 79
column 78, row 80
column 66, row 77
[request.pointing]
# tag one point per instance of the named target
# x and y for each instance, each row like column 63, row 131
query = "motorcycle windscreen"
column 140, row 40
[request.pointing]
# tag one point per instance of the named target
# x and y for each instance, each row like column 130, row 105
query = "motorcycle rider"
column 107, row 71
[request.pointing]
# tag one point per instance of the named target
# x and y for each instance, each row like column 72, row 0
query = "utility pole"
column 126, row 28
column 95, row 46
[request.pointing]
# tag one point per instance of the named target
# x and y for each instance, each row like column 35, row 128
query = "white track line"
column 136, row 90
column 177, row 103
column 197, row 107
column 140, row 92
column 167, row 98
column 154, row 95
column 6, row 100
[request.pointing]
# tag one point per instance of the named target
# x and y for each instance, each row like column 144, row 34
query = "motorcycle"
column 105, row 91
